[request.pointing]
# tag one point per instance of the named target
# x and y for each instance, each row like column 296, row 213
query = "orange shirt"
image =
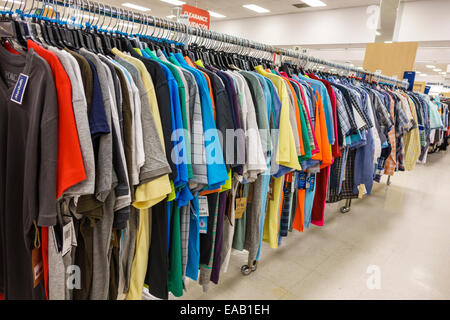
column 324, row 154
column 70, row 167
column 297, row 117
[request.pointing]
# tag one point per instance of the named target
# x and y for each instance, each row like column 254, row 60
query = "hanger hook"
column 110, row 17
column 154, row 25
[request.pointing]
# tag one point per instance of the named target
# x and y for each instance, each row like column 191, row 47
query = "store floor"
column 402, row 231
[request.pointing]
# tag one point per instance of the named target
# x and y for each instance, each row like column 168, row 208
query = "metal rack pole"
column 138, row 17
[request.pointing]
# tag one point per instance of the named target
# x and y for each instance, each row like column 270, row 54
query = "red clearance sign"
column 197, row 17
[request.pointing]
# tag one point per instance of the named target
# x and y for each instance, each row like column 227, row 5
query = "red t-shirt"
column 70, row 167
column 70, row 161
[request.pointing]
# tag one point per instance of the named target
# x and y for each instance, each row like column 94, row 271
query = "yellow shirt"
column 156, row 190
column 270, row 233
column 147, row 194
column 286, row 156
column 140, row 259
column 286, row 150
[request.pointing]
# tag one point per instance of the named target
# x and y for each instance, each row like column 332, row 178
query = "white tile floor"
column 403, row 229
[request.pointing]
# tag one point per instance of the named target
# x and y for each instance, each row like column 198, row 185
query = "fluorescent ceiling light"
column 215, row 14
column 360, row 68
column 135, row 6
column 423, row 75
column 254, row 7
column 174, row 2
column 171, row 16
column 444, row 73
column 388, row 42
column 430, row 66
column 378, row 33
column 437, row 70
column 417, row 72
column 314, row 3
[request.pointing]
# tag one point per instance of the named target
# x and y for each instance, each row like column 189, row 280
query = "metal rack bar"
column 150, row 20
column 302, row 56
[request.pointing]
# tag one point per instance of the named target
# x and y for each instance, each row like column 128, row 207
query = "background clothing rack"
column 374, row 76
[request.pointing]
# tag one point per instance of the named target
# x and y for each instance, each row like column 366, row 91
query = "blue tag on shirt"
column 301, row 181
column 203, row 222
column 311, row 183
column 19, row 89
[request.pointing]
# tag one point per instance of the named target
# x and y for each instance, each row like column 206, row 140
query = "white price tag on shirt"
column 203, row 206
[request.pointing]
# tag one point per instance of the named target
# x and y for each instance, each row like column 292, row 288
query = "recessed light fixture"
column 171, row 16
column 314, row 3
column 360, row 68
column 215, row 14
column 174, row 2
column 388, row 42
column 378, row 33
column 437, row 70
column 423, row 75
column 255, row 8
column 135, row 6
column 444, row 73
column 430, row 66
column 418, row 72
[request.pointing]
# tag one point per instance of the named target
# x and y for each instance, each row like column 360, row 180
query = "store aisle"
column 401, row 230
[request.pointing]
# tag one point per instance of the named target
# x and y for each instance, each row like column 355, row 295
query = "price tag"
column 203, row 222
column 312, row 181
column 241, row 205
column 67, row 238
column 361, row 191
column 19, row 89
column 37, row 266
column 203, row 206
column 301, row 181
column 271, row 188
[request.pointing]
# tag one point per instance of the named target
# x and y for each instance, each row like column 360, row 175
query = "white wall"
column 319, row 27
column 425, row 21
column 420, row 21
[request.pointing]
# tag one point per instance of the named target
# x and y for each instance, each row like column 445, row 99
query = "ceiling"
column 233, row 9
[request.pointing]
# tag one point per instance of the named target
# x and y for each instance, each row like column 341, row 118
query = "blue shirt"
column 183, row 194
column 326, row 102
column 215, row 164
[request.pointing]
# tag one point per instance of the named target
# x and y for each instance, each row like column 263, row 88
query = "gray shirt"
column 104, row 166
column 81, row 118
column 155, row 164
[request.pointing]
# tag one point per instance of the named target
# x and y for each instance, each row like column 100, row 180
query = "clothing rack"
column 208, row 36
column 179, row 33
column 308, row 58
